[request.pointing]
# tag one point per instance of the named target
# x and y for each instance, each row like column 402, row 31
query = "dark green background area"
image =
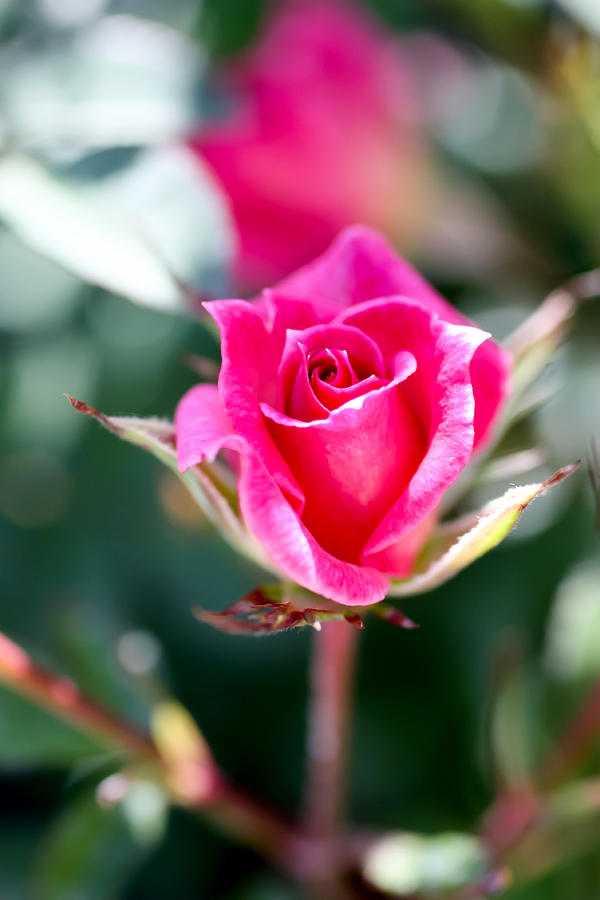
column 111, row 561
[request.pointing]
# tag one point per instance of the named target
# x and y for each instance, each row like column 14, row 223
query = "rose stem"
column 331, row 678
column 220, row 801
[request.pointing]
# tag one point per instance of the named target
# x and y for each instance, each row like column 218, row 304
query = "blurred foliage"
column 96, row 545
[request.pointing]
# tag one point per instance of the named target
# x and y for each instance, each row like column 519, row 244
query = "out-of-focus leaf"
column 122, row 81
column 169, row 198
column 89, row 853
column 572, row 652
column 54, row 220
column 405, row 864
column 488, row 116
column 457, row 544
column 216, row 498
column 588, row 13
column 29, row 736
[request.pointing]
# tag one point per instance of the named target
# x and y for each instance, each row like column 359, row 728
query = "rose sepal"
column 456, row 544
column 279, row 607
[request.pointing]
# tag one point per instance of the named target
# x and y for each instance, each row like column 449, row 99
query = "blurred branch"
column 178, row 752
column 62, row 698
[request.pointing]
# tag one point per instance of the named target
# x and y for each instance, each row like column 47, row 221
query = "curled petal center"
column 331, row 367
column 325, row 367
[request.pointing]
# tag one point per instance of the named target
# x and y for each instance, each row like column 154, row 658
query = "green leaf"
column 457, row 544
column 55, row 221
column 89, row 852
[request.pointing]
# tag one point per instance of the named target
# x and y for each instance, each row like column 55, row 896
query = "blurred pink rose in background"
column 323, row 134
column 354, row 395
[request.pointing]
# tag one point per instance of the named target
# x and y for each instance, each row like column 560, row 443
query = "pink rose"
column 322, row 134
column 354, row 395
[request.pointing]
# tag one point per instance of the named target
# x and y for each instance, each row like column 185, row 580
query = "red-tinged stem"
column 331, row 679
column 62, row 697
column 207, row 790
column 252, row 823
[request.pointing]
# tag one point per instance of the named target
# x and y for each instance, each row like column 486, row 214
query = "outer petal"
column 293, row 548
column 249, row 375
column 201, row 426
column 441, row 392
column 202, row 430
column 359, row 266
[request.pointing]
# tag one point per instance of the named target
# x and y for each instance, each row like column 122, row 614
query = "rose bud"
column 320, row 132
column 354, row 396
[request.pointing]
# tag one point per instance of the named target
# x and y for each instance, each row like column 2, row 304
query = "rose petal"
column 201, row 425
column 441, row 393
column 352, row 465
column 202, row 431
column 248, row 374
column 294, row 549
column 359, row 266
column 490, row 374
column 332, row 397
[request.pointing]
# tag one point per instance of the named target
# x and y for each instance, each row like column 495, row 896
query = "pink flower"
column 322, row 134
column 354, row 395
